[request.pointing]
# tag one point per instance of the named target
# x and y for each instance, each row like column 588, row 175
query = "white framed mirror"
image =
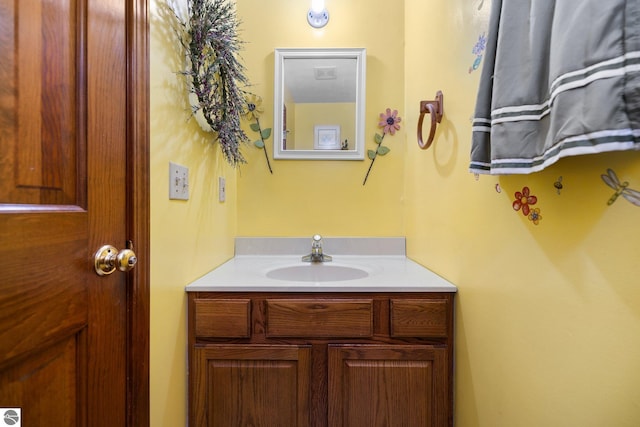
column 319, row 103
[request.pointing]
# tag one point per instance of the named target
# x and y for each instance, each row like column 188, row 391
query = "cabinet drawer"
column 222, row 318
column 313, row 318
column 419, row 317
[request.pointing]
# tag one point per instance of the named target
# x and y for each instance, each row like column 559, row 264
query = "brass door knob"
column 108, row 258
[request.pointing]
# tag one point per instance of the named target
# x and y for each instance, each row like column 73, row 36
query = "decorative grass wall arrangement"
column 214, row 74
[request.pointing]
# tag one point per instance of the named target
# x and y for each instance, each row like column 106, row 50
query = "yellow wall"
column 188, row 238
column 548, row 316
column 302, row 198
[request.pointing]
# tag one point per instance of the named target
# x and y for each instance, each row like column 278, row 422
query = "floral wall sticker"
column 253, row 111
column 622, row 189
column 390, row 123
column 524, row 202
column 478, row 51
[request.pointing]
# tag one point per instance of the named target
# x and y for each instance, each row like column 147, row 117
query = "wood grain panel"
column 8, row 98
column 377, row 385
column 222, row 318
column 46, row 385
column 41, row 110
column 252, row 385
column 419, row 317
column 43, row 304
column 319, row 317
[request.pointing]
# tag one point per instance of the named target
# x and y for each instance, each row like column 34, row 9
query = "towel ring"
column 436, row 109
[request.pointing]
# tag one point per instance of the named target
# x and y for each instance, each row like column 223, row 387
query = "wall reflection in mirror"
column 320, row 94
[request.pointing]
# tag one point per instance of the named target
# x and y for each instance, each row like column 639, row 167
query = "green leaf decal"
column 382, row 150
column 266, row 133
column 386, row 119
column 255, row 127
column 259, row 144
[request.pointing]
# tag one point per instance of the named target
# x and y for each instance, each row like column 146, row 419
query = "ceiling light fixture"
column 318, row 16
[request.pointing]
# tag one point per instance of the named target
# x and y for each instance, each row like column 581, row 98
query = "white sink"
column 367, row 264
column 317, row 272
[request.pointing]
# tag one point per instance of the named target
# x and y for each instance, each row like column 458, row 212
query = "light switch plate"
column 222, row 189
column 178, row 182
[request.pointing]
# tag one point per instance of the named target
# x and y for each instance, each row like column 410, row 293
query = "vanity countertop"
column 383, row 259
column 386, row 273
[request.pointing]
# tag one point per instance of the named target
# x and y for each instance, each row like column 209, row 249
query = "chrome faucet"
column 316, row 254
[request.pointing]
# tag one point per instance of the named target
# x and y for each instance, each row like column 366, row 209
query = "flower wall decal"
column 390, row 123
column 213, row 73
column 253, row 108
column 478, row 50
column 253, row 111
column 534, row 216
column 524, row 202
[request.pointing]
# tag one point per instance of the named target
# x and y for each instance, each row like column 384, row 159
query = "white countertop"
column 386, row 273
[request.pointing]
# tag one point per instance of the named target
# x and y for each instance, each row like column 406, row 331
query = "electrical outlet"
column 222, row 189
column 178, row 182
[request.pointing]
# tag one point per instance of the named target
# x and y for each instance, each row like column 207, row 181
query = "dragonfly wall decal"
column 622, row 189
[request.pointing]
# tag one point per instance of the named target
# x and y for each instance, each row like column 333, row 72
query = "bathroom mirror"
column 319, row 102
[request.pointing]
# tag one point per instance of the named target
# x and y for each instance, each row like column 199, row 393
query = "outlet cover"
column 178, row 182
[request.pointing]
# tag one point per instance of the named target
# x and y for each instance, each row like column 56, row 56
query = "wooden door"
column 250, row 385
column 388, row 386
column 73, row 171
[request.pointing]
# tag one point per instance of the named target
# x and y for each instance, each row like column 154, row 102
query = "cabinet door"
column 250, row 385
column 388, row 385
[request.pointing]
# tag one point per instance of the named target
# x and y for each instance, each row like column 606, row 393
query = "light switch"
column 178, row 182
column 222, row 189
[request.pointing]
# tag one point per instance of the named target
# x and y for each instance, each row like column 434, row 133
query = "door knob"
column 108, row 258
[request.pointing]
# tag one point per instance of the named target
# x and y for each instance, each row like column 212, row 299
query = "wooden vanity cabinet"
column 320, row 359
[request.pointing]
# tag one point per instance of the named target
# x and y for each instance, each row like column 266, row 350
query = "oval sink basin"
column 316, row 272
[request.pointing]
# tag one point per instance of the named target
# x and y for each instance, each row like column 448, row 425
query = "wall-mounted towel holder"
column 436, row 109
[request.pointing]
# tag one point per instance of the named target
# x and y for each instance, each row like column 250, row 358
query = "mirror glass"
column 319, row 99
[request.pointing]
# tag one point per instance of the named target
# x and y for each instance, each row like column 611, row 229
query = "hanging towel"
column 560, row 78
